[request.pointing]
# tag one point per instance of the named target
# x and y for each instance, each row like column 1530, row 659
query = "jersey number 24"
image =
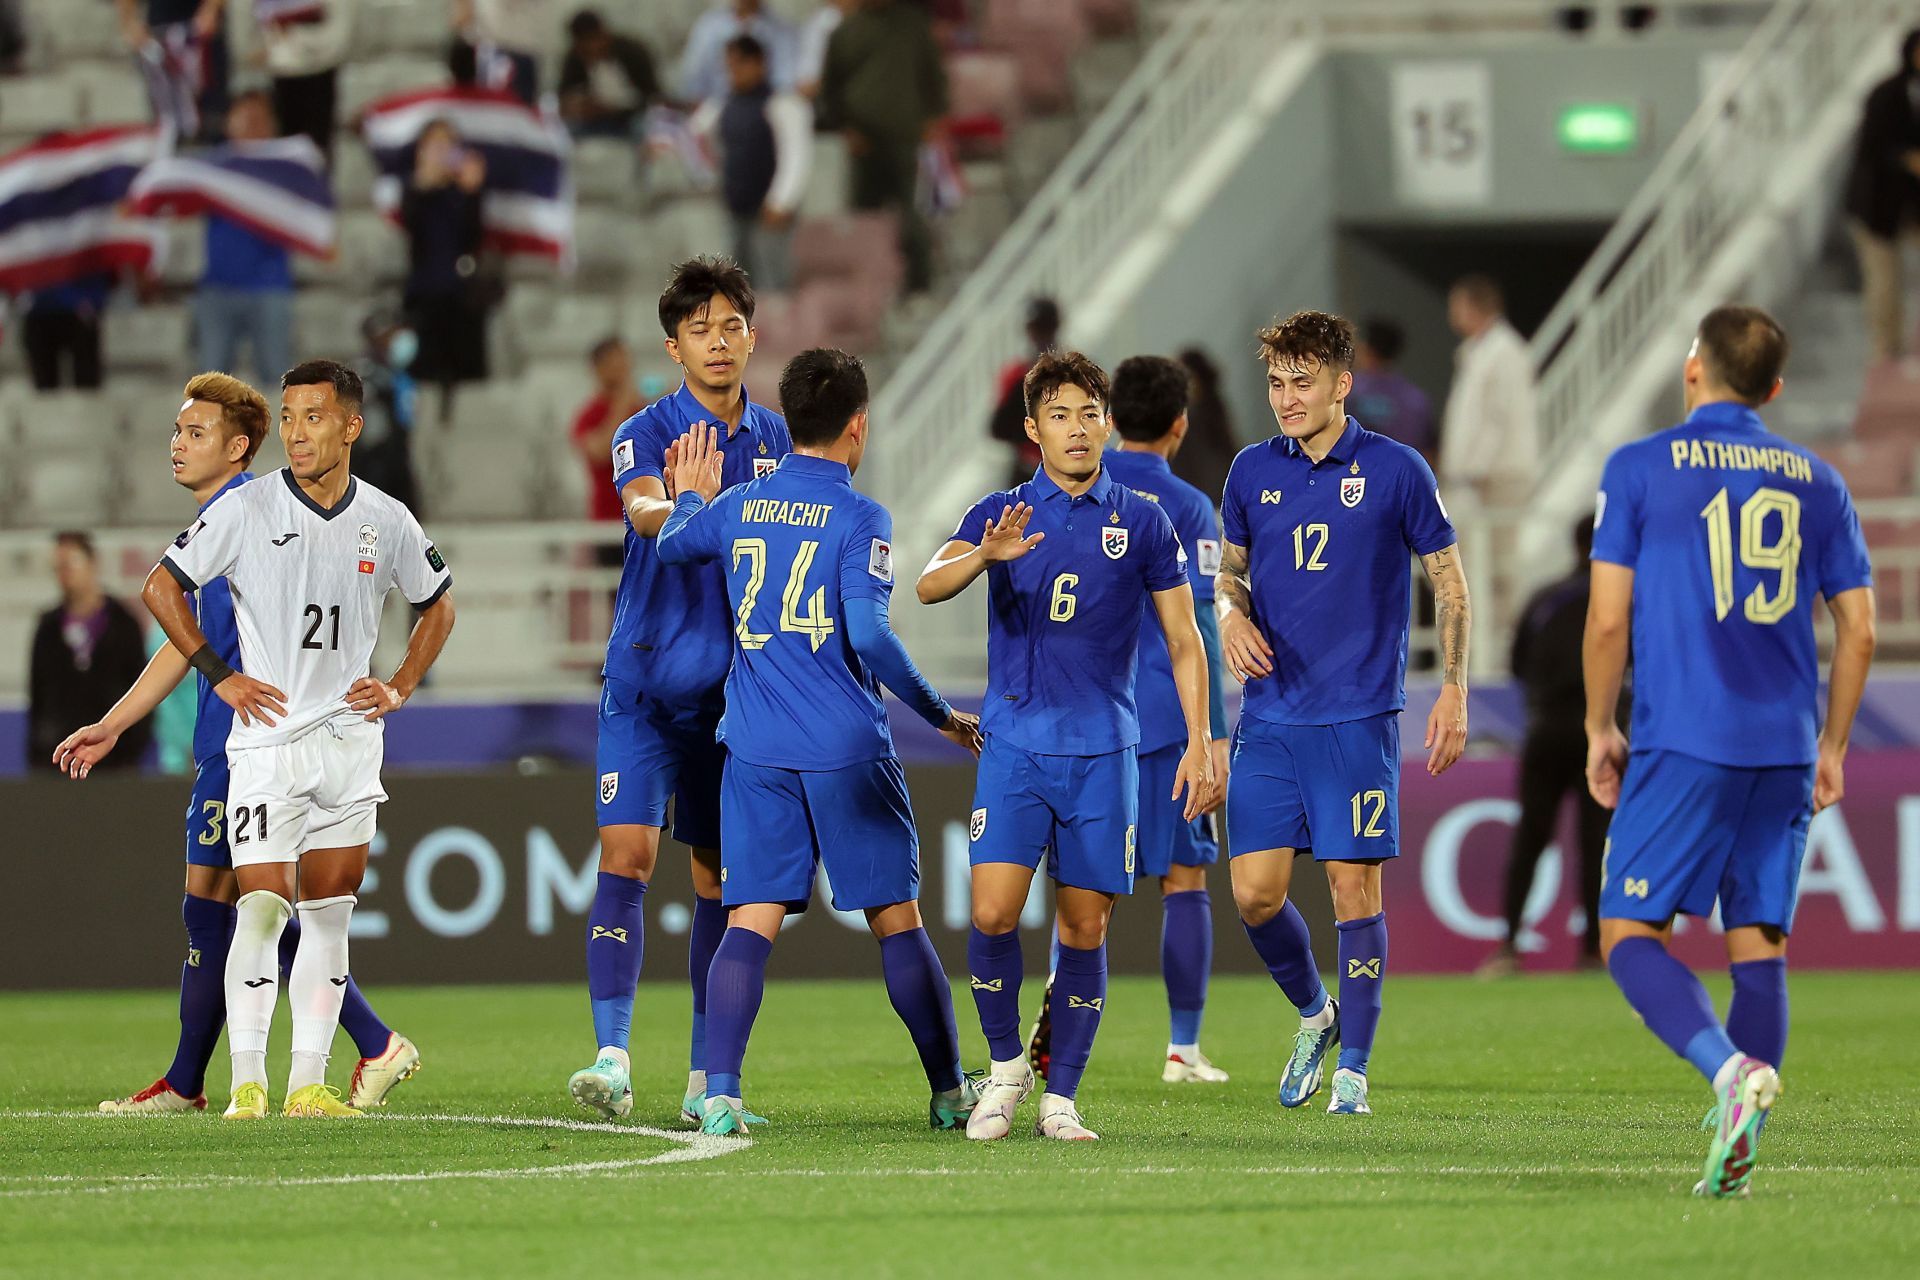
column 813, row 623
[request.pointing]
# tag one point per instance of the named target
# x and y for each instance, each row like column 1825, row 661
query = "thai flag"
column 289, row 12
column 527, row 204
column 277, row 189
column 60, row 215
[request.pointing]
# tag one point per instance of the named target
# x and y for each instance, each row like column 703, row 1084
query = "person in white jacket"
column 304, row 47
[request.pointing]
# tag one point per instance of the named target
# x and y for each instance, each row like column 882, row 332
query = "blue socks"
column 703, row 939
column 1186, row 958
column 203, row 995
column 736, row 982
column 1757, row 1018
column 1671, row 1001
column 357, row 1018
column 616, row 940
column 1363, row 970
column 1286, row 948
column 917, row 986
column 1079, row 994
column 994, row 965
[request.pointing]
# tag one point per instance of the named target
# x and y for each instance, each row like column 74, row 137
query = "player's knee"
column 996, row 918
column 629, row 851
column 1258, row 903
column 1083, row 935
column 1355, row 901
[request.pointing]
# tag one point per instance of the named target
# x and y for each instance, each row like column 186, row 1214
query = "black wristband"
column 208, row 664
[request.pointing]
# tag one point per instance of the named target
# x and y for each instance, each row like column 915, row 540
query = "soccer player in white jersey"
column 310, row 554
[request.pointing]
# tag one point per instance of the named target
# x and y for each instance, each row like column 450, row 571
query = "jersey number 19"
column 1779, row 555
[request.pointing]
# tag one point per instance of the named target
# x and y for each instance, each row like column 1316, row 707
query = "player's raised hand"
column 375, row 697
column 1446, row 729
column 1829, row 777
column 963, row 731
column 694, row 462
column 1247, row 652
column 1195, row 777
column 83, row 749
column 254, row 701
column 1006, row 538
column 1606, row 765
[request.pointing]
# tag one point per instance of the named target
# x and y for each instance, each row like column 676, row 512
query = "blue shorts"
column 778, row 825
column 207, row 816
column 1167, row 839
column 1688, row 833
column 1333, row 789
column 649, row 752
column 1078, row 812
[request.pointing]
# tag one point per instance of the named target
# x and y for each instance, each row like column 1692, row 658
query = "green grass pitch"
column 1523, row 1128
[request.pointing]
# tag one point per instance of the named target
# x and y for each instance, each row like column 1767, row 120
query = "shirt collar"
column 808, row 465
column 1045, row 488
column 1725, row 415
column 692, row 411
column 1343, row 449
column 234, row 483
column 1146, row 459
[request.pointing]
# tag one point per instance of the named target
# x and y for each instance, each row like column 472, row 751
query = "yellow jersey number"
column 800, row 612
column 1780, row 554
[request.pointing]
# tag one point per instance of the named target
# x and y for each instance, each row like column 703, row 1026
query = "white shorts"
column 319, row 791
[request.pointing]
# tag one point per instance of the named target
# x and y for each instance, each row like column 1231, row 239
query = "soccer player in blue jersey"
column 1322, row 522
column 216, row 433
column 1073, row 557
column 811, row 777
column 1712, row 541
column 665, row 673
column 1150, row 417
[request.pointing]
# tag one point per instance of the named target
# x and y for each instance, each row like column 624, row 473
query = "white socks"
column 1187, row 1053
column 253, row 981
column 317, row 986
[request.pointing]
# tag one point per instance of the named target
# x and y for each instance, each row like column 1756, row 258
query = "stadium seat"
column 36, row 104
column 1881, row 468
column 851, row 244
column 1042, row 36
column 605, row 171
column 407, row 27
column 48, row 421
column 154, row 336
column 366, row 80
column 984, row 90
column 70, row 31
column 111, row 92
column 483, row 465
column 65, row 485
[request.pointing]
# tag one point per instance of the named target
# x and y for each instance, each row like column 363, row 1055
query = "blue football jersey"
column 1157, row 697
column 1730, row 532
column 1327, row 546
column 672, row 628
column 792, row 547
column 213, row 605
column 1063, row 621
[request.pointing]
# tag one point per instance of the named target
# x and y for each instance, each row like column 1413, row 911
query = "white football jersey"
column 308, row 585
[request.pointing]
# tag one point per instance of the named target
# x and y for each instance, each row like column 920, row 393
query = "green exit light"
column 1599, row 128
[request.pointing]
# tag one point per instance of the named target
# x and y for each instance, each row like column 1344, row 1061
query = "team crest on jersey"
column 1113, row 541
column 977, row 827
column 609, row 787
column 1352, row 489
column 763, row 467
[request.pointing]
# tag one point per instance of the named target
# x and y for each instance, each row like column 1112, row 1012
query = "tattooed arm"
column 1248, row 654
column 1447, row 726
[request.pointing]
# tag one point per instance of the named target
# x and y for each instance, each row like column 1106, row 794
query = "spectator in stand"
column 885, row 87
column 614, row 400
column 383, row 455
column 61, row 332
column 607, row 80
column 1211, row 444
column 1383, row 399
column 246, row 288
column 13, row 37
column 1883, row 198
column 507, row 38
column 304, row 56
column 1489, row 438
column 810, row 47
column 447, row 294
column 181, row 48
column 1009, row 422
column 765, row 140
column 703, row 63
column 1553, row 760
column 86, row 650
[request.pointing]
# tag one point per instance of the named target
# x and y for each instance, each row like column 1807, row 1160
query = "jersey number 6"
column 813, row 624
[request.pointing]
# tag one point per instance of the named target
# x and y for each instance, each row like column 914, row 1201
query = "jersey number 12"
column 813, row 624
column 1780, row 554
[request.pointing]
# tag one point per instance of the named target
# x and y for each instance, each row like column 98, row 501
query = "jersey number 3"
column 1780, row 554
column 813, row 624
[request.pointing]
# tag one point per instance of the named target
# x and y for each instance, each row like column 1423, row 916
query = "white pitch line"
column 686, row 1146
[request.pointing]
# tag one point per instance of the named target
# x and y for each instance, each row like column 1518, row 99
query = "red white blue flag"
column 60, row 208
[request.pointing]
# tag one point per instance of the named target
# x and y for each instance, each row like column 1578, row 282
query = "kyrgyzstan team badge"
column 1352, row 488
column 1113, row 541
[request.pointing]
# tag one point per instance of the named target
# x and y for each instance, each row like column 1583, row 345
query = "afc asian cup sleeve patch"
column 1599, row 507
column 434, row 561
column 622, row 457
column 186, row 534
column 609, row 787
column 880, row 561
column 978, row 826
column 1207, row 552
